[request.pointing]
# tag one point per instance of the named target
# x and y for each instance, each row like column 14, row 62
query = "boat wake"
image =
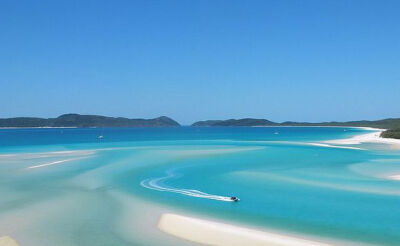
column 157, row 184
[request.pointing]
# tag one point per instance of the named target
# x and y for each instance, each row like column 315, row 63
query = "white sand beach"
column 373, row 137
column 7, row 241
column 214, row 233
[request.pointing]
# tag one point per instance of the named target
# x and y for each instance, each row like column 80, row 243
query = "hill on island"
column 392, row 124
column 385, row 123
column 77, row 120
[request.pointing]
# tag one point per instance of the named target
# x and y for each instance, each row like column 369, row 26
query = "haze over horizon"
column 279, row 60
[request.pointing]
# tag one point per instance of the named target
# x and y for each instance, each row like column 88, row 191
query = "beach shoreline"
column 210, row 232
column 373, row 137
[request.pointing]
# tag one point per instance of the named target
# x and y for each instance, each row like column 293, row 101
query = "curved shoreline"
column 219, row 234
column 374, row 137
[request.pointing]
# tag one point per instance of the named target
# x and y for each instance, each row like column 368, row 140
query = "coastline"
column 209, row 232
column 373, row 137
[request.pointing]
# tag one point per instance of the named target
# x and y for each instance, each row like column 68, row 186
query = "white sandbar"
column 394, row 177
column 7, row 241
column 219, row 234
column 373, row 137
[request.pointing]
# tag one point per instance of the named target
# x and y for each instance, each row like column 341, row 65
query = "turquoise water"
column 64, row 186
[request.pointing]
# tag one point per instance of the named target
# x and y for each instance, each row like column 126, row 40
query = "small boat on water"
column 234, row 199
column 100, row 137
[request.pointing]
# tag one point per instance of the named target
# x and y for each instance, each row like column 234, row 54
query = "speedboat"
column 234, row 199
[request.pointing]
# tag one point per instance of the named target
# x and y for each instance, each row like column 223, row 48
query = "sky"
column 196, row 60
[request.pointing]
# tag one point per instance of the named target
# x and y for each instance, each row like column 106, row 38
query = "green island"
column 77, row 120
column 392, row 133
column 392, row 124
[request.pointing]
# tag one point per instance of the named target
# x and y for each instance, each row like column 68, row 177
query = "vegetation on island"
column 393, row 124
column 77, row 120
column 393, row 133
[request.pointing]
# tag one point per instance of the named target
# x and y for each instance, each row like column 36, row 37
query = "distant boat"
column 235, row 199
column 100, row 137
column 276, row 133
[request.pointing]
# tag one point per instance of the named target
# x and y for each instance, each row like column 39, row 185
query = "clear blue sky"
column 193, row 60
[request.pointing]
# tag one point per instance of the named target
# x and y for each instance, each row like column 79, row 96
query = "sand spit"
column 219, row 234
column 373, row 137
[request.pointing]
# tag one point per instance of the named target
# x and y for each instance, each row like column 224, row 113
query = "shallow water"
column 69, row 187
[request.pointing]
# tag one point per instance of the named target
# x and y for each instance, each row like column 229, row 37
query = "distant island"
column 234, row 122
column 386, row 123
column 392, row 124
column 77, row 120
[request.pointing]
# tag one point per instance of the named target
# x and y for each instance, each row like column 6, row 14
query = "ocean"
column 109, row 186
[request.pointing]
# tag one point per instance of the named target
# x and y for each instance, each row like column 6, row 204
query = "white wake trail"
column 156, row 184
